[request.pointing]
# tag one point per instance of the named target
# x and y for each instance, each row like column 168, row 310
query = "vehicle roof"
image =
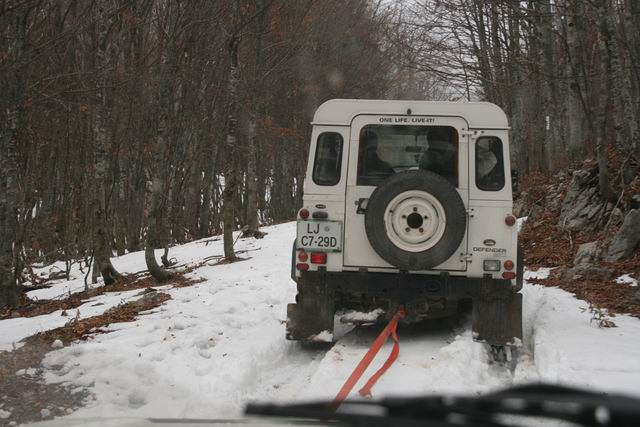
column 480, row 115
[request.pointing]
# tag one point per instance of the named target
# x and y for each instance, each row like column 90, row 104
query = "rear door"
column 400, row 142
column 490, row 199
column 324, row 187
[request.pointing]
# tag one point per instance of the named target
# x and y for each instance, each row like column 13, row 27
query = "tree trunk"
column 605, row 113
column 252, row 185
column 518, row 117
column 632, row 28
column 228, row 219
column 11, row 99
column 95, row 270
column 555, row 152
column 575, row 98
column 230, row 183
column 192, row 194
column 101, row 240
column 120, row 227
column 158, row 195
column 8, row 211
column 207, row 188
column 626, row 121
column 252, row 172
column 101, row 234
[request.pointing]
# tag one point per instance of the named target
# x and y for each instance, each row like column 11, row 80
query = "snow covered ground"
column 220, row 343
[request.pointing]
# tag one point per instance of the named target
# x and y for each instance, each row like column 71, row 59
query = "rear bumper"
column 401, row 286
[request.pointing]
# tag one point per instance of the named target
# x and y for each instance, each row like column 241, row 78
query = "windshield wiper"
column 501, row 408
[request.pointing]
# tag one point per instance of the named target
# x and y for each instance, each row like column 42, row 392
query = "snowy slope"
column 220, row 343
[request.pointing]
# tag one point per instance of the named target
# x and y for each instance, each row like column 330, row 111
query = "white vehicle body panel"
column 486, row 209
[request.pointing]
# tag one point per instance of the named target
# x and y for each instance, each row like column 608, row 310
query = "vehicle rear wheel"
column 504, row 355
column 415, row 220
column 311, row 317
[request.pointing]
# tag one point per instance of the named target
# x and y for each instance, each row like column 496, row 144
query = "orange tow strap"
column 390, row 329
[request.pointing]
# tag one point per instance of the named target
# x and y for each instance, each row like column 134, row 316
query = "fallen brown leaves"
column 31, row 308
column 534, row 184
column 546, row 244
column 629, row 265
column 553, row 250
column 81, row 329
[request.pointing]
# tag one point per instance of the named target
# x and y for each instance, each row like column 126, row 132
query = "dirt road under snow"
column 219, row 344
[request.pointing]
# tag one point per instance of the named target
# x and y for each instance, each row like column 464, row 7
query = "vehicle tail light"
column 318, row 258
column 508, row 275
column 302, row 256
column 510, row 220
column 302, row 266
column 508, row 265
column 491, row 265
column 304, row 213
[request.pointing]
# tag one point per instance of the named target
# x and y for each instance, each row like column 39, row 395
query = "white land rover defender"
column 408, row 204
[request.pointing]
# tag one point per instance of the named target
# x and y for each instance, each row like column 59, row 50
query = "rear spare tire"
column 415, row 220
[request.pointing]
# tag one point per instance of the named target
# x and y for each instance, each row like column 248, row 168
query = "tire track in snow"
column 437, row 356
column 419, row 350
column 288, row 375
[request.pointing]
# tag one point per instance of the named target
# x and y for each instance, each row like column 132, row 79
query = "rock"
column 579, row 180
column 587, row 253
column 626, row 240
column 589, row 271
column 585, row 210
column 553, row 198
column 576, row 224
column 582, row 203
column 592, row 211
column 561, row 272
column 553, row 201
column 57, row 344
column 616, row 216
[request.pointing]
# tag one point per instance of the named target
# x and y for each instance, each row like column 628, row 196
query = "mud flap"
column 314, row 311
column 497, row 314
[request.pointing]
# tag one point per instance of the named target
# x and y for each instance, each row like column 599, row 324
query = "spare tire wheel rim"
column 415, row 221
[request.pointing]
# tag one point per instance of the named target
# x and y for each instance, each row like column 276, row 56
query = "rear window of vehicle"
column 328, row 159
column 489, row 164
column 387, row 149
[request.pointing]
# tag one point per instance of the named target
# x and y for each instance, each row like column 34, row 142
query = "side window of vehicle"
column 328, row 159
column 489, row 164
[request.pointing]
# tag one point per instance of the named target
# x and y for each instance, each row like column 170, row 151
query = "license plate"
column 319, row 235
